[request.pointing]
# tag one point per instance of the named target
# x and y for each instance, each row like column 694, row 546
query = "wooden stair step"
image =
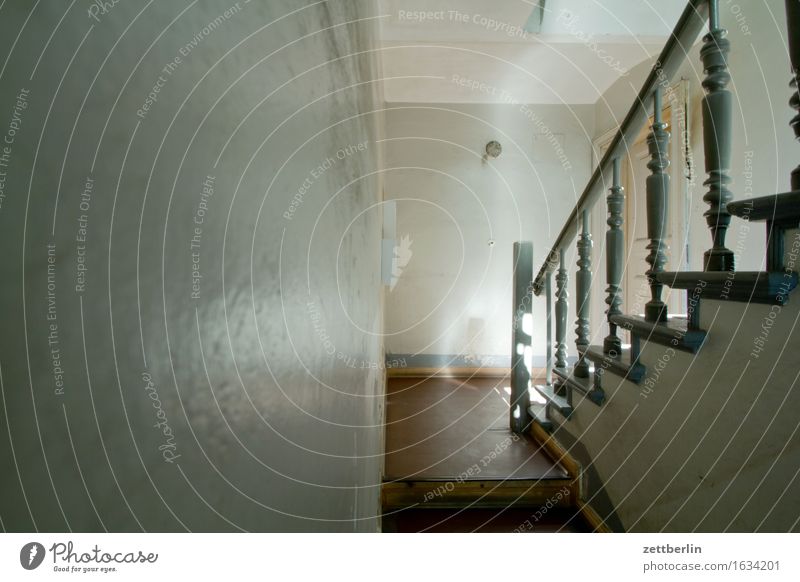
column 783, row 207
column 477, row 494
column 749, row 286
column 585, row 386
column 560, row 403
column 674, row 332
column 623, row 365
column 538, row 413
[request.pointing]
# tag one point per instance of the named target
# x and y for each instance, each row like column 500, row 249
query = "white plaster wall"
column 454, row 295
column 274, row 405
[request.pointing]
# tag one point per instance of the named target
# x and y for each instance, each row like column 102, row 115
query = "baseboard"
column 537, row 374
column 573, row 467
column 447, row 361
column 447, row 372
column 591, row 517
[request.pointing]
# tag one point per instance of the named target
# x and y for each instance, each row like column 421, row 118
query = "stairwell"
column 453, row 465
column 691, row 425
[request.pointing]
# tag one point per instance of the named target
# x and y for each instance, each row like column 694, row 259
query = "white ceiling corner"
column 477, row 51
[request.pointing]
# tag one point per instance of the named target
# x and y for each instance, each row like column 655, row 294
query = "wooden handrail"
column 686, row 32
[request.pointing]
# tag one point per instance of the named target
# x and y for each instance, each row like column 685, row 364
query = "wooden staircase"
column 657, row 334
column 525, row 483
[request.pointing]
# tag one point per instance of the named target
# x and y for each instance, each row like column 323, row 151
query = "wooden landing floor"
column 440, row 428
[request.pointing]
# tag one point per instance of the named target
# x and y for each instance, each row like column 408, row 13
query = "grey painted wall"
column 191, row 282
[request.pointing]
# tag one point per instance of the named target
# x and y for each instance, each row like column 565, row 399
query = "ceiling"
column 481, row 51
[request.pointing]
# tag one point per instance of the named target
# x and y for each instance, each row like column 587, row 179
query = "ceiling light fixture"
column 493, row 149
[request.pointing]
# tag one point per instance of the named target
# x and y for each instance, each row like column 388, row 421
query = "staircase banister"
column 676, row 50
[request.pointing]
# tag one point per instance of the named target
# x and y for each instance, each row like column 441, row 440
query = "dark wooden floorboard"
column 439, row 428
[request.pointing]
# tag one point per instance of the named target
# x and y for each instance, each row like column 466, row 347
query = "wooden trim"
column 476, row 494
column 554, row 448
column 447, row 372
column 537, row 374
column 746, row 286
column 556, row 451
column 591, row 517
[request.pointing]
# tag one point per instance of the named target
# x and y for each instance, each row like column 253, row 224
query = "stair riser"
column 492, row 494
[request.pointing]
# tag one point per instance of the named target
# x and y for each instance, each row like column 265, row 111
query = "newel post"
column 522, row 297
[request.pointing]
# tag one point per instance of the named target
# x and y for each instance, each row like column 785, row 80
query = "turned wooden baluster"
column 548, row 297
column 583, row 285
column 793, row 26
column 657, row 194
column 717, row 128
column 615, row 258
column 561, row 313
